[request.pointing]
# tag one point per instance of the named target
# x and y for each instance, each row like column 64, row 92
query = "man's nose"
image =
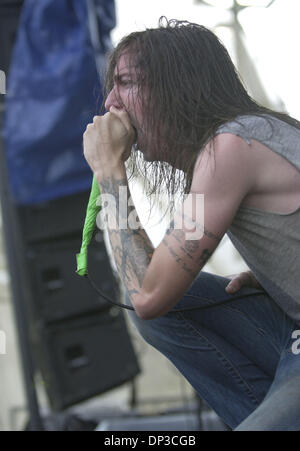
column 112, row 100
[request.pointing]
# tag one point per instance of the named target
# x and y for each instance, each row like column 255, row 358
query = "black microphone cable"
column 205, row 307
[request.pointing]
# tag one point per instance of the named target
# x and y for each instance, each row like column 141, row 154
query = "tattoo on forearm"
column 132, row 249
column 133, row 253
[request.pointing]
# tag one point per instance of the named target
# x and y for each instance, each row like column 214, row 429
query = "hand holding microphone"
column 107, row 142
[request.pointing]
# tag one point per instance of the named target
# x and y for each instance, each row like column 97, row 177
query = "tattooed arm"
column 133, row 249
column 156, row 279
column 131, row 246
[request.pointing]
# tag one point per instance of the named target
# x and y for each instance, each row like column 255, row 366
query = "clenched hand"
column 107, row 142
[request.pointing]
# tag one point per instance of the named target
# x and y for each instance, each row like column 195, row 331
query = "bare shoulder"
column 225, row 163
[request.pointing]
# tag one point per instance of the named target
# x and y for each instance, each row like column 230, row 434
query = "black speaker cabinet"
column 84, row 357
column 57, row 291
column 56, row 219
column 81, row 344
column 75, row 339
column 52, row 233
column 10, row 11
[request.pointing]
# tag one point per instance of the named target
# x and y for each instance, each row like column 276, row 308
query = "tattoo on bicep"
column 179, row 233
column 204, row 257
column 191, row 248
column 179, row 260
column 212, row 235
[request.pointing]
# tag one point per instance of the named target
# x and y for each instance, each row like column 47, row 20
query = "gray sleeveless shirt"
column 270, row 242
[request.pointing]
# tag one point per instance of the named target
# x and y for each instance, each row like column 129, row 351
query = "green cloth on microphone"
column 93, row 209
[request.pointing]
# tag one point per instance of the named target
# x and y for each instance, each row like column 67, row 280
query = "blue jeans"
column 238, row 356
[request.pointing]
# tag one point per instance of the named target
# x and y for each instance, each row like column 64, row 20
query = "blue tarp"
column 53, row 92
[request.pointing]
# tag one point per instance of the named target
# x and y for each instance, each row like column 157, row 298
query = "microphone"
column 89, row 224
column 93, row 209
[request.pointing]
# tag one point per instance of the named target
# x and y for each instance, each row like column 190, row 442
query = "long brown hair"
column 193, row 88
